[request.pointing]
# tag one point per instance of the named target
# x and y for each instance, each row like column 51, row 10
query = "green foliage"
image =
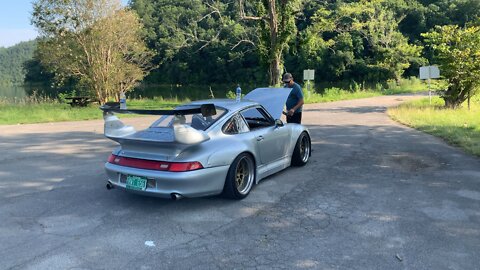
column 350, row 44
column 356, row 90
column 459, row 127
column 95, row 42
column 198, row 42
column 231, row 95
column 457, row 51
column 62, row 97
column 358, row 39
column 276, row 25
column 336, row 94
column 155, row 103
column 12, row 60
column 450, row 12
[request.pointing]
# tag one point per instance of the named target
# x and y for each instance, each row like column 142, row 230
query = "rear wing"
column 116, row 130
column 205, row 109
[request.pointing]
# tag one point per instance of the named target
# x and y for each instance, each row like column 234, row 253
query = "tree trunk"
column 274, row 70
column 275, row 48
column 455, row 95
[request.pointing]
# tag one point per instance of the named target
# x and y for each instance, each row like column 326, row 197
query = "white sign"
column 309, row 75
column 429, row 72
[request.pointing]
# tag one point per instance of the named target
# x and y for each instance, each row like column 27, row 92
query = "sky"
column 15, row 22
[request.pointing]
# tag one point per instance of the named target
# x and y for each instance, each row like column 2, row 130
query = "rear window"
column 196, row 121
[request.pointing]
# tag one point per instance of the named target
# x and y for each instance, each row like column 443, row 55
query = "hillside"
column 12, row 60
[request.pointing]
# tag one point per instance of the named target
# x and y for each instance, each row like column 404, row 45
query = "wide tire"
column 240, row 178
column 302, row 151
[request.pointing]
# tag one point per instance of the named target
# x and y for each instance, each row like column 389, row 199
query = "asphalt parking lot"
column 375, row 195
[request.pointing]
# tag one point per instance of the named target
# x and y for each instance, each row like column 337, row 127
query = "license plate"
column 136, row 182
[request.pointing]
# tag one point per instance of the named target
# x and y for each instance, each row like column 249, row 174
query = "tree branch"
column 251, row 18
column 242, row 41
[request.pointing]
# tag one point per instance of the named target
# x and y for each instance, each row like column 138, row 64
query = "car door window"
column 257, row 118
column 235, row 125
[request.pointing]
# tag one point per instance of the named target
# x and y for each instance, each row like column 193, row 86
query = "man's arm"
column 299, row 104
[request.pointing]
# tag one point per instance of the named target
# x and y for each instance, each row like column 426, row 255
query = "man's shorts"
column 295, row 118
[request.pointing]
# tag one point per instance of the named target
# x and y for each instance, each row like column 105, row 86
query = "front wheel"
column 302, row 150
column 240, row 177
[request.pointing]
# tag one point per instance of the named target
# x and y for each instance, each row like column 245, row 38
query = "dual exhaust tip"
column 174, row 196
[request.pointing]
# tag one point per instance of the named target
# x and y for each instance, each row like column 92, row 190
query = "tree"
column 95, row 41
column 277, row 28
column 198, row 41
column 361, row 37
column 11, row 62
column 457, row 51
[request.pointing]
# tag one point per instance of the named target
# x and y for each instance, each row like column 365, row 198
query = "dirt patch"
column 409, row 162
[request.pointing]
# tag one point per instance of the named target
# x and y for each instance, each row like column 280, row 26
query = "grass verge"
column 458, row 127
column 52, row 111
column 336, row 94
column 357, row 91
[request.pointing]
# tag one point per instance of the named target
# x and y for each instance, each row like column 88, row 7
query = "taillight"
column 154, row 164
column 185, row 166
column 112, row 157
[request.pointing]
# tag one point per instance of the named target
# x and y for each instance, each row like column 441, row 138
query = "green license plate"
column 136, row 182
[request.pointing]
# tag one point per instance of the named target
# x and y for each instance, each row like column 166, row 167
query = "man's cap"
column 287, row 77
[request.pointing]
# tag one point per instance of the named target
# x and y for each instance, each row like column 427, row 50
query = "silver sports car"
column 206, row 147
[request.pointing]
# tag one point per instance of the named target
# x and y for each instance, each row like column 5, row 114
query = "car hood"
column 272, row 99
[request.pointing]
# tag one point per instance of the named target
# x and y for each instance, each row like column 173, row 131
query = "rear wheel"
column 240, row 177
column 302, row 150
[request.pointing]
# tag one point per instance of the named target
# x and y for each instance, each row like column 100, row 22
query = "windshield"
column 196, row 121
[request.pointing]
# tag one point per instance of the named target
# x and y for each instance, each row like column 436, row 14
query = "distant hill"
column 12, row 60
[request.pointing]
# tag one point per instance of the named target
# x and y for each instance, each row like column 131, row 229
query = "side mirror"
column 279, row 123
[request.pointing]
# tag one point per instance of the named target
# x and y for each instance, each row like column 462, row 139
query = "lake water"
column 12, row 91
column 181, row 92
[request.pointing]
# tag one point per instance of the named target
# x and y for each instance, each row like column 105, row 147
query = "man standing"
column 294, row 101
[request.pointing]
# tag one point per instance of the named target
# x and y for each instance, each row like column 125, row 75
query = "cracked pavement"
column 375, row 195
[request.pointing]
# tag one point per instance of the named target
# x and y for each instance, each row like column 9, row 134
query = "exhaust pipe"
column 109, row 186
column 176, row 196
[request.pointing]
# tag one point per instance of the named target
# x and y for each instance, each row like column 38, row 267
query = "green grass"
column 155, row 103
column 357, row 91
column 458, row 127
column 45, row 112
column 336, row 94
column 35, row 109
column 28, row 112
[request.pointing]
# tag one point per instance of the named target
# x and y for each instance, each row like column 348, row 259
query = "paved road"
column 376, row 195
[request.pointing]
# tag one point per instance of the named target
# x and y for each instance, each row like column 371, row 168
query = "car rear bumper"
column 198, row 183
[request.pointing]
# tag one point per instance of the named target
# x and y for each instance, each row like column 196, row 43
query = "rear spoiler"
column 184, row 134
column 205, row 109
